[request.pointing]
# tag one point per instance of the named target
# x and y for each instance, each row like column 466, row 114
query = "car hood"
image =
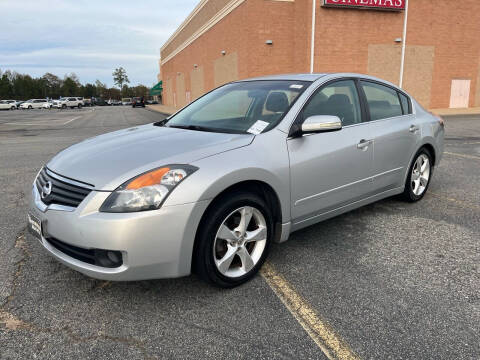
column 108, row 160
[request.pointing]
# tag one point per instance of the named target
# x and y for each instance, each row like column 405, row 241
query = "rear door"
column 331, row 169
column 396, row 132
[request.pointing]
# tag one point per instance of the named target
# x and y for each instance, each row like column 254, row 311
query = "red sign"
column 369, row 4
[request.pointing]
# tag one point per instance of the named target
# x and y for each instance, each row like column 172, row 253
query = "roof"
column 294, row 77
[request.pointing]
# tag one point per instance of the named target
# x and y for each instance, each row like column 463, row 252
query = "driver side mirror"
column 321, row 123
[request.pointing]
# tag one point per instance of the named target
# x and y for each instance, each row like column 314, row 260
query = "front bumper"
column 154, row 244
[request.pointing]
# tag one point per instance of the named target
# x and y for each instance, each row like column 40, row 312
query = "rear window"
column 383, row 101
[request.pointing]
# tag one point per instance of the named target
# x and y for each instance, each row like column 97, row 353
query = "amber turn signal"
column 150, row 178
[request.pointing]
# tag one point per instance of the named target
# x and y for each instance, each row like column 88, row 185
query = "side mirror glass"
column 321, row 123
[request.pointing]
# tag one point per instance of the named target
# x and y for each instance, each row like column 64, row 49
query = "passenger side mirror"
column 321, row 123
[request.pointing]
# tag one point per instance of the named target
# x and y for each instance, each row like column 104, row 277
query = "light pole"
column 404, row 44
column 312, row 45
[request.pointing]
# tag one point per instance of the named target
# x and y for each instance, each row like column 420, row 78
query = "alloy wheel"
column 240, row 242
column 420, row 175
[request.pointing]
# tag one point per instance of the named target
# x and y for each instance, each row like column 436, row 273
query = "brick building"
column 225, row 40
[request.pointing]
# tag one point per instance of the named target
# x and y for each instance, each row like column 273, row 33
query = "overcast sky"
column 89, row 38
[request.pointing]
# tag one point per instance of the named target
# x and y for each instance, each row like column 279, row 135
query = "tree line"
column 17, row 86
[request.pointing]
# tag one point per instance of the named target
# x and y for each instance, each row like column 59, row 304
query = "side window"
column 405, row 104
column 383, row 101
column 339, row 99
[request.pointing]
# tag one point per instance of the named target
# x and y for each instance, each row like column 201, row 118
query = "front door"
column 331, row 169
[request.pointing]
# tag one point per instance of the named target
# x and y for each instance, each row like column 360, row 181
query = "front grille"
column 98, row 257
column 61, row 192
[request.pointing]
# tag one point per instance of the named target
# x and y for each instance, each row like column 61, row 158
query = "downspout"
column 404, row 44
column 312, row 45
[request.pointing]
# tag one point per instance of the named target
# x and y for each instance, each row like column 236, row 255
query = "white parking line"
column 42, row 122
column 69, row 121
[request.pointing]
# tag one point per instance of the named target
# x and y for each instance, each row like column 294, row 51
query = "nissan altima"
column 211, row 187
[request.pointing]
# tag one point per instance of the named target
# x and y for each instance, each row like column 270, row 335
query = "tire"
column 12, row 108
column 64, row 106
column 30, row 107
column 79, row 106
column 416, row 187
column 227, row 212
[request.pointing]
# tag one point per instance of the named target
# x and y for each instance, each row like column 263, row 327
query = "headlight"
column 147, row 191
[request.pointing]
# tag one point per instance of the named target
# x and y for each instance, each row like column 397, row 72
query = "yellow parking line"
column 332, row 345
column 463, row 155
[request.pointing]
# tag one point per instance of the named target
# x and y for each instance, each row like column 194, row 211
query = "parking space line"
column 69, row 121
column 331, row 344
column 42, row 122
column 463, row 155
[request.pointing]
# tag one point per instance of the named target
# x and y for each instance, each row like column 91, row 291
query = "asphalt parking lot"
column 388, row 281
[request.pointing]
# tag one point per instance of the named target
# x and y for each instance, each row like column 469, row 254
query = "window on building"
column 339, row 99
column 383, row 101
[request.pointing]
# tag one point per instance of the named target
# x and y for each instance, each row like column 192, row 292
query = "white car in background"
column 47, row 105
column 71, row 102
column 8, row 105
column 33, row 104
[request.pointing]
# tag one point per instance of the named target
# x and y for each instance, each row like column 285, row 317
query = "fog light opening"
column 108, row 258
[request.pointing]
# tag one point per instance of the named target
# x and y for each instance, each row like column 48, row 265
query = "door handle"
column 363, row 144
column 413, row 128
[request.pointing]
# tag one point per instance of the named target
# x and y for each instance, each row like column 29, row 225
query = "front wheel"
column 233, row 241
column 30, row 107
column 64, row 106
column 419, row 176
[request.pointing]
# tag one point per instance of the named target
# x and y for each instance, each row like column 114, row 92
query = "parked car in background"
column 138, row 102
column 47, row 105
column 34, row 104
column 87, row 102
column 71, row 102
column 8, row 105
column 116, row 102
column 239, row 168
column 126, row 101
column 99, row 102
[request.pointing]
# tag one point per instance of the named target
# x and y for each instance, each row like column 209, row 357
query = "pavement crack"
column 13, row 323
column 21, row 244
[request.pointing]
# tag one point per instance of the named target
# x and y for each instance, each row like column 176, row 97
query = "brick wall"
column 442, row 44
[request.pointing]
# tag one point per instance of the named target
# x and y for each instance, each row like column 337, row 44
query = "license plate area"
column 34, row 226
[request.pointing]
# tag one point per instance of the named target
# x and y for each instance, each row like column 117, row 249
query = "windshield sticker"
column 296, row 86
column 258, row 127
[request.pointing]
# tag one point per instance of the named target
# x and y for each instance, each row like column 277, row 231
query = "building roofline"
column 185, row 22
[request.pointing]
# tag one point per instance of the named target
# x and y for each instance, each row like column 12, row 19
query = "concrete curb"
column 451, row 112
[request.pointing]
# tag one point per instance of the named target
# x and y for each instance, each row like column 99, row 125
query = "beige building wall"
column 384, row 61
column 197, row 82
column 418, row 76
column 180, row 93
column 225, row 69
column 477, row 93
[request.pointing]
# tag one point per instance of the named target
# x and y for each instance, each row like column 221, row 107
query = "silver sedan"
column 211, row 187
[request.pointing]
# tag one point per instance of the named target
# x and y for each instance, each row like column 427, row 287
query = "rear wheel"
column 12, row 108
column 419, row 176
column 233, row 240
column 79, row 106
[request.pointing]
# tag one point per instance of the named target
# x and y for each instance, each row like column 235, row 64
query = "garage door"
column 460, row 93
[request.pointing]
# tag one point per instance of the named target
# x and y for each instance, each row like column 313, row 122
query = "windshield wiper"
column 194, row 127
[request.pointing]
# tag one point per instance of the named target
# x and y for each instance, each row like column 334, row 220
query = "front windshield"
column 243, row 107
